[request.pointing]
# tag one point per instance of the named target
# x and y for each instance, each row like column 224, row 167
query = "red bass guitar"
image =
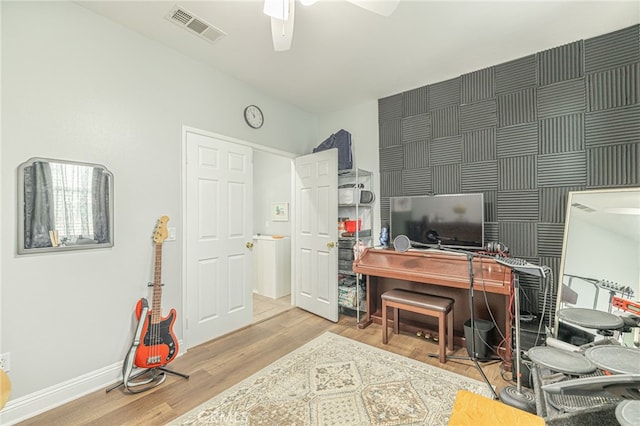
column 158, row 344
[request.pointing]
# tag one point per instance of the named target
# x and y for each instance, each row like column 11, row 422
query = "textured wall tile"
column 478, row 115
column 385, row 210
column 615, row 165
column 520, row 237
column 416, row 128
column 517, row 172
column 517, row 107
column 517, row 140
column 516, row 75
column 491, row 209
column 479, row 145
column 491, row 232
column 417, row 182
column 390, row 108
column 477, row 86
column 562, row 98
column 562, row 134
column 518, row 205
column 560, row 63
column 562, row 169
column 393, row 158
column 445, row 121
column 416, row 155
column 390, row 133
column 612, row 127
column 553, row 203
column 446, row 179
column 613, row 49
column 415, row 102
column 478, row 177
column 550, row 237
column 446, row 150
column 444, row 94
column 614, row 88
column 391, row 183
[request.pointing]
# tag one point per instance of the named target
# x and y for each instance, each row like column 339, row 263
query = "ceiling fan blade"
column 381, row 7
column 282, row 33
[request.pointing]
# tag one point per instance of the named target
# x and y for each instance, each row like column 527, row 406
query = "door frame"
column 183, row 201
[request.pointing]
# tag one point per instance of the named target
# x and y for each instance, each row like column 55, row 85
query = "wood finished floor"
column 216, row 365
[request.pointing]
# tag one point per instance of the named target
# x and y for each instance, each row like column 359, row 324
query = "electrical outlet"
column 4, row 362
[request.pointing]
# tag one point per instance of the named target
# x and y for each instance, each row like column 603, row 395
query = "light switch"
column 172, row 234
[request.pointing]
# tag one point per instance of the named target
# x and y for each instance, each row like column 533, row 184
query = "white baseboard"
column 25, row 407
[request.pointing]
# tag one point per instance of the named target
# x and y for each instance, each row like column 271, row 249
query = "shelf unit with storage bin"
column 355, row 224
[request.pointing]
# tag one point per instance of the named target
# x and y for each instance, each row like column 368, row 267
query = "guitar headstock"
column 161, row 233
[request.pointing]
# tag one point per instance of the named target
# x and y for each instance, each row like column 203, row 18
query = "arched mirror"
column 64, row 205
column 600, row 256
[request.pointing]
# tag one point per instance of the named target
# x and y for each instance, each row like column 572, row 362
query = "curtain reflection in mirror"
column 65, row 204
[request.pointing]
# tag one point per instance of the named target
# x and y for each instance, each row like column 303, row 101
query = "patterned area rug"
column 333, row 380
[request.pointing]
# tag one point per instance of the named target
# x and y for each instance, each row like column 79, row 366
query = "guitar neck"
column 156, row 313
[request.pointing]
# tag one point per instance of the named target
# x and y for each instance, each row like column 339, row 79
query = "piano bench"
column 425, row 304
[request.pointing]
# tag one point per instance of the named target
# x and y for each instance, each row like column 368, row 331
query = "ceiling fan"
column 282, row 14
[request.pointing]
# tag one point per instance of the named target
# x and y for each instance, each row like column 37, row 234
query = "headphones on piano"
column 495, row 247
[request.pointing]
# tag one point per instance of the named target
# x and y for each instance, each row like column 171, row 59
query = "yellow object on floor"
column 470, row 409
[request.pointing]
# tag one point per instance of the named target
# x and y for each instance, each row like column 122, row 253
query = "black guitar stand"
column 152, row 376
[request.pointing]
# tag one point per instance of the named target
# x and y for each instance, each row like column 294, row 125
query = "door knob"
column 249, row 245
column 331, row 244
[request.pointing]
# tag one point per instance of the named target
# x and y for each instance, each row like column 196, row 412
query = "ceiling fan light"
column 278, row 9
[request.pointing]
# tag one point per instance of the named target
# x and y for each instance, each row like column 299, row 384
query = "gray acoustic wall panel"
column 444, row 94
column 516, row 75
column 415, row 102
column 416, row 182
column 416, row 128
column 390, row 133
column 445, row 121
column 517, row 140
column 479, row 177
column 517, row 107
column 478, row 115
column 560, row 64
column 393, row 158
column 561, row 98
column 445, row 150
column 517, row 172
column 614, row 88
column 553, row 203
column 612, row 50
column 524, row 133
column 518, row 205
column 567, row 168
column 479, row 145
column 477, row 86
column 390, row 108
column 563, row 133
column 612, row 126
column 391, row 183
column 446, row 179
column 617, row 165
column 416, row 155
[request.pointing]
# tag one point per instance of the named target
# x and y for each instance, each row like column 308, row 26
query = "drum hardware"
column 517, row 396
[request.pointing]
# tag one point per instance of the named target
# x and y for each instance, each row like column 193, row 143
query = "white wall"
column 362, row 122
column 79, row 87
column 271, row 184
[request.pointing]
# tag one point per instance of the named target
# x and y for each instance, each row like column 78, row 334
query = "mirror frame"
column 567, row 224
column 21, row 205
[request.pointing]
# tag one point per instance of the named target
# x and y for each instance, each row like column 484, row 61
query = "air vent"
column 583, row 207
column 179, row 16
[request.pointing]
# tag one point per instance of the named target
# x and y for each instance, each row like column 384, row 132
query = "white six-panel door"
column 316, row 233
column 218, row 228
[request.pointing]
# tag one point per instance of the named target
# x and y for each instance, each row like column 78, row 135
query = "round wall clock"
column 253, row 116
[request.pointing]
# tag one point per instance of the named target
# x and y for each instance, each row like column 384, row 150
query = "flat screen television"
column 452, row 220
